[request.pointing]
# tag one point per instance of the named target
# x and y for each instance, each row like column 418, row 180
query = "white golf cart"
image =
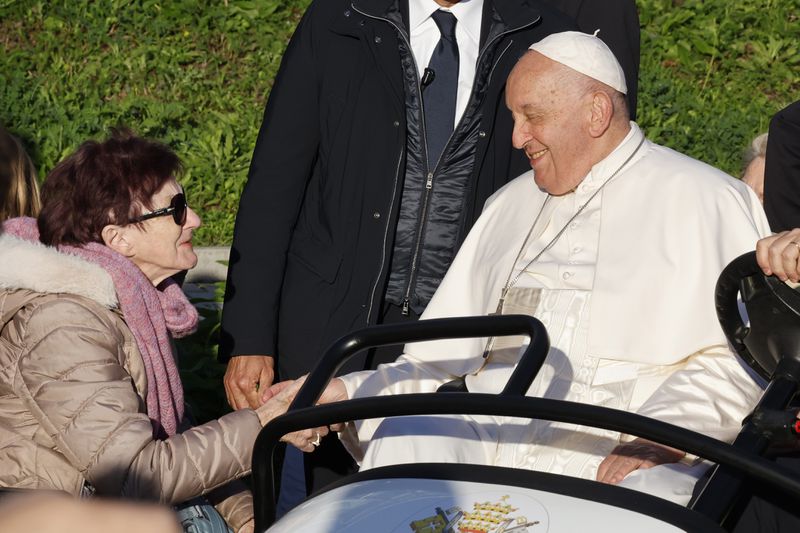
column 464, row 498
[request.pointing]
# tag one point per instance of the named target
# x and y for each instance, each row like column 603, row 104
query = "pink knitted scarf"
column 150, row 314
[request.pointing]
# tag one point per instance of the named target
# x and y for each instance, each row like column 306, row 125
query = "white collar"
column 603, row 169
column 467, row 12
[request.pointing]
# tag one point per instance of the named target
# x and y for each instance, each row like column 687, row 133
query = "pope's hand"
column 635, row 455
column 779, row 255
column 334, row 392
column 280, row 395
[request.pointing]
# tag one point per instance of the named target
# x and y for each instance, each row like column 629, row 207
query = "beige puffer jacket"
column 72, row 389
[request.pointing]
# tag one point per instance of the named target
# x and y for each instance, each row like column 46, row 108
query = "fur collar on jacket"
column 36, row 267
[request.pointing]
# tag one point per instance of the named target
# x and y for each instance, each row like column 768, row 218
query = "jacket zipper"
column 406, row 305
column 418, row 243
column 428, row 182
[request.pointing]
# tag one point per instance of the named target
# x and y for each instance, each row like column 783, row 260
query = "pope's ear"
column 116, row 238
column 602, row 111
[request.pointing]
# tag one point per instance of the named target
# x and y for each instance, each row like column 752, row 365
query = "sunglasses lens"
column 178, row 204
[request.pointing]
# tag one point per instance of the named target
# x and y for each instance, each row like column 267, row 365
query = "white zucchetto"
column 585, row 53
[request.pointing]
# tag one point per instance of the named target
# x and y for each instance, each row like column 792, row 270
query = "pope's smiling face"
column 551, row 117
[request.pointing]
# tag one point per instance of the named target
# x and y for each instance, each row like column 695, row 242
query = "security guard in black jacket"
column 346, row 219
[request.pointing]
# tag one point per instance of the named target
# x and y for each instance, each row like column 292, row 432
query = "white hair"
column 757, row 148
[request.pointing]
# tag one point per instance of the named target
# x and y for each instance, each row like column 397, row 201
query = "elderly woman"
column 90, row 397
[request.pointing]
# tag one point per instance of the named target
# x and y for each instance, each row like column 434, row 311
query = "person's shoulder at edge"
column 677, row 181
column 43, row 269
column 327, row 11
column 682, row 169
column 790, row 113
column 61, row 290
column 51, row 321
column 553, row 15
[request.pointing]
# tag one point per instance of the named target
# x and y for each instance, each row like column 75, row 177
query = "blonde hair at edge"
column 19, row 191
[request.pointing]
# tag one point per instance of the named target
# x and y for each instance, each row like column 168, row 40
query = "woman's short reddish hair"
column 103, row 183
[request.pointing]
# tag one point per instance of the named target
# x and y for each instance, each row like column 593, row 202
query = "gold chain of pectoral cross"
column 511, row 282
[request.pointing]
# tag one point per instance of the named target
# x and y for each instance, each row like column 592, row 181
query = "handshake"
column 277, row 398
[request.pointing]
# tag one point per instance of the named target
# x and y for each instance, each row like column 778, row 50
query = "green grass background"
column 196, row 74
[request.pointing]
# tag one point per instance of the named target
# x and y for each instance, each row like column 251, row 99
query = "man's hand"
column 245, row 377
column 635, row 455
column 779, row 254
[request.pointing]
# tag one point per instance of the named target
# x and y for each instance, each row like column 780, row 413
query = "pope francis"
column 615, row 244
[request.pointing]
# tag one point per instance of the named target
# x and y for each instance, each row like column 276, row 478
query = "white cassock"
column 627, row 296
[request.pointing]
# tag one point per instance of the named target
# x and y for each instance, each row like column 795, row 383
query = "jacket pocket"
column 316, row 256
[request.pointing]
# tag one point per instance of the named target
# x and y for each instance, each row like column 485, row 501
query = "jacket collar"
column 514, row 12
column 43, row 269
column 395, row 11
column 381, row 8
column 498, row 15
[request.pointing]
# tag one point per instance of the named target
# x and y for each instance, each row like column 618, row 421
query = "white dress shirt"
column 424, row 35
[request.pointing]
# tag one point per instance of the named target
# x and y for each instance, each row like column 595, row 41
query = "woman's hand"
column 779, row 255
column 278, row 398
column 635, row 455
column 281, row 396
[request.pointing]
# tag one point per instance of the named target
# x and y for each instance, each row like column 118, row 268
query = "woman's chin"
column 190, row 262
column 187, row 256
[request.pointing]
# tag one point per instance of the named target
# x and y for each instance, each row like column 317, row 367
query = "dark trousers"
column 330, row 461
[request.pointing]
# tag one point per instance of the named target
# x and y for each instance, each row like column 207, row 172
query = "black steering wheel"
column 773, row 309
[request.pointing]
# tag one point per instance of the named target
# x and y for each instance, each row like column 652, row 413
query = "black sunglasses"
column 177, row 208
